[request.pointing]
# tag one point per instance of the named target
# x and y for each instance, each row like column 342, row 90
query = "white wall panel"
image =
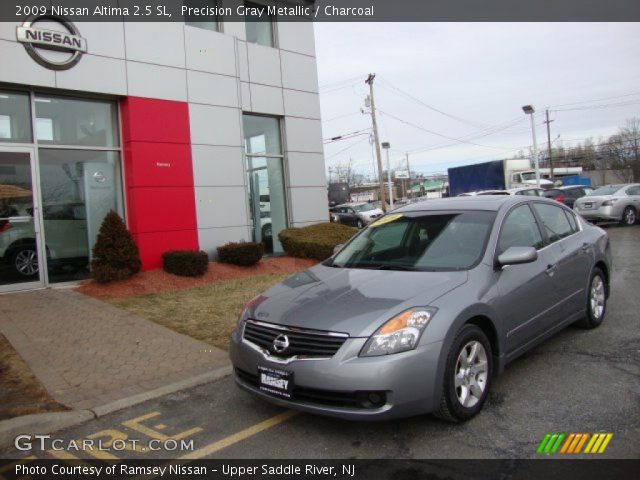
column 154, row 81
column 212, row 89
column 246, row 97
column 299, row 72
column 209, row 51
column 264, row 65
column 243, row 61
column 161, row 43
column 95, row 74
column 297, row 37
column 8, row 30
column 303, row 135
column 235, row 29
column 23, row 69
column 221, row 207
column 306, row 169
column 309, row 204
column 217, row 166
column 266, row 100
column 214, row 125
column 301, row 104
column 103, row 38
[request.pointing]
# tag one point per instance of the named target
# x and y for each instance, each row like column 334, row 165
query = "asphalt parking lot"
column 579, row 381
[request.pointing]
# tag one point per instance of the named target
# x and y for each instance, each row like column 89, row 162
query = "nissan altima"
column 419, row 311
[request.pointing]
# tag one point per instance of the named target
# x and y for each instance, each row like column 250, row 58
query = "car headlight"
column 399, row 334
column 249, row 307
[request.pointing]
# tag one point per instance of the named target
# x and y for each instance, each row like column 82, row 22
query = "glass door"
column 20, row 245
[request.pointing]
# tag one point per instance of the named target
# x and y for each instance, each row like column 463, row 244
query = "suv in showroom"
column 65, row 226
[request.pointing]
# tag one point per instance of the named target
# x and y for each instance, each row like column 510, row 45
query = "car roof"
column 569, row 187
column 482, row 202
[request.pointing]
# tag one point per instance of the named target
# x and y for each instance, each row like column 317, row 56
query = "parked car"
column 484, row 192
column 419, row 311
column 356, row 214
column 66, row 238
column 568, row 194
column 528, row 191
column 619, row 203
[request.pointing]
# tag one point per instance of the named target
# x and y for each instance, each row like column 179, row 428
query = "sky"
column 437, row 83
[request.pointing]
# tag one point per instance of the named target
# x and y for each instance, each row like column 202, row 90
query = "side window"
column 633, row 191
column 519, row 229
column 572, row 221
column 554, row 221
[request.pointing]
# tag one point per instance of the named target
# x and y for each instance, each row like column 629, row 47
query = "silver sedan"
column 420, row 310
column 618, row 203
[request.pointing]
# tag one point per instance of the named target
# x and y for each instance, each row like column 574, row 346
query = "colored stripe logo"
column 573, row 443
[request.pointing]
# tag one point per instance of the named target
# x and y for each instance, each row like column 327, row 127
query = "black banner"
column 323, row 469
column 326, row 10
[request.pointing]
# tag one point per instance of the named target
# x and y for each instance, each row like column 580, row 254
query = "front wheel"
column 467, row 375
column 629, row 216
column 360, row 224
column 596, row 301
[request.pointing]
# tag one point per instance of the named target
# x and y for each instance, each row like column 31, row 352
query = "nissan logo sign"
column 281, row 343
column 37, row 41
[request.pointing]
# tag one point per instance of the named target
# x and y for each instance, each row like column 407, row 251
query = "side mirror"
column 517, row 256
column 337, row 248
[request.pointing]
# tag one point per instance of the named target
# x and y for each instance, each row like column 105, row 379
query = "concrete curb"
column 207, row 377
column 44, row 423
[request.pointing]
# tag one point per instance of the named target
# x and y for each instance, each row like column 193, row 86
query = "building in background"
column 198, row 134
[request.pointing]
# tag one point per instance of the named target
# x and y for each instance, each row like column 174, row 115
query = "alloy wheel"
column 471, row 374
column 597, row 297
column 26, row 262
column 629, row 216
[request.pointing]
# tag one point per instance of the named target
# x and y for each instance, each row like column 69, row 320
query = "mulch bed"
column 156, row 281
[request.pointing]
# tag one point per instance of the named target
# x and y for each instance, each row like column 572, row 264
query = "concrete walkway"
column 88, row 353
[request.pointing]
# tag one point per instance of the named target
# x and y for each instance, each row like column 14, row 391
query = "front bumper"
column 602, row 213
column 408, row 380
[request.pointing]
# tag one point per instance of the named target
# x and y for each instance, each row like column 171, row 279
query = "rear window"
column 554, row 192
column 607, row 190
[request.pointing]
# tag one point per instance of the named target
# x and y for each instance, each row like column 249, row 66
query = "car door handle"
column 551, row 270
column 585, row 247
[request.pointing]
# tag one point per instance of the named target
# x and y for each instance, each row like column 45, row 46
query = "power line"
column 597, row 107
column 345, row 136
column 346, row 148
column 595, row 100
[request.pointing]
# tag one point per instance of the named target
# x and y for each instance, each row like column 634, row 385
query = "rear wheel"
column 596, row 301
column 24, row 261
column 629, row 216
column 359, row 223
column 467, row 375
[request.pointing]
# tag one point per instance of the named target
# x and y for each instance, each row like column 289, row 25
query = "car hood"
column 353, row 301
column 371, row 213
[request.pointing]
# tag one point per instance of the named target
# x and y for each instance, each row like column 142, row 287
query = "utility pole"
column 382, row 195
column 548, row 122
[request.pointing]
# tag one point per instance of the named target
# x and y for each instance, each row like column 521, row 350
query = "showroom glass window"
column 265, row 178
column 259, row 28
column 15, row 117
column 80, row 180
column 208, row 22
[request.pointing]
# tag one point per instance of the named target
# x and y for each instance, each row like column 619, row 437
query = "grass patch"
column 20, row 392
column 208, row 313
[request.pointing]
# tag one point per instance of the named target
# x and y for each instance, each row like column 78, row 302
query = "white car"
column 529, row 191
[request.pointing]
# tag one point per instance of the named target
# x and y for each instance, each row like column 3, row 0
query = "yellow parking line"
column 239, row 436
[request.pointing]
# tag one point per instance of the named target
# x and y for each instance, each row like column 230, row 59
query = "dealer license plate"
column 276, row 382
column 587, row 205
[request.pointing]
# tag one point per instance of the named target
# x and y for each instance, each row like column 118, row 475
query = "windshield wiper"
column 397, row 267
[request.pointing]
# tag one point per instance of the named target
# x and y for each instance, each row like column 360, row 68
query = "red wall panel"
column 161, row 209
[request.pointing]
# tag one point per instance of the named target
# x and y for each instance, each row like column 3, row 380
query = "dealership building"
column 196, row 133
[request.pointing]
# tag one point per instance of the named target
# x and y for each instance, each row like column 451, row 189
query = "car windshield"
column 606, row 190
column 365, row 207
column 433, row 241
column 528, row 175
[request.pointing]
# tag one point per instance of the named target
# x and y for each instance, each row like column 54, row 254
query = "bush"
column 315, row 241
column 241, row 253
column 186, row 263
column 115, row 254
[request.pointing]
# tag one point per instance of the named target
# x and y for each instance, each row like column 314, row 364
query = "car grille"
column 357, row 400
column 302, row 342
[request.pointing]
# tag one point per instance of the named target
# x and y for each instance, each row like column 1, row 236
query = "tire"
column 629, row 216
column 596, row 307
column 360, row 224
column 24, row 261
column 458, row 378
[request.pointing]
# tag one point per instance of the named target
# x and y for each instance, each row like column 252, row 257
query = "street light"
column 529, row 110
column 386, row 146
